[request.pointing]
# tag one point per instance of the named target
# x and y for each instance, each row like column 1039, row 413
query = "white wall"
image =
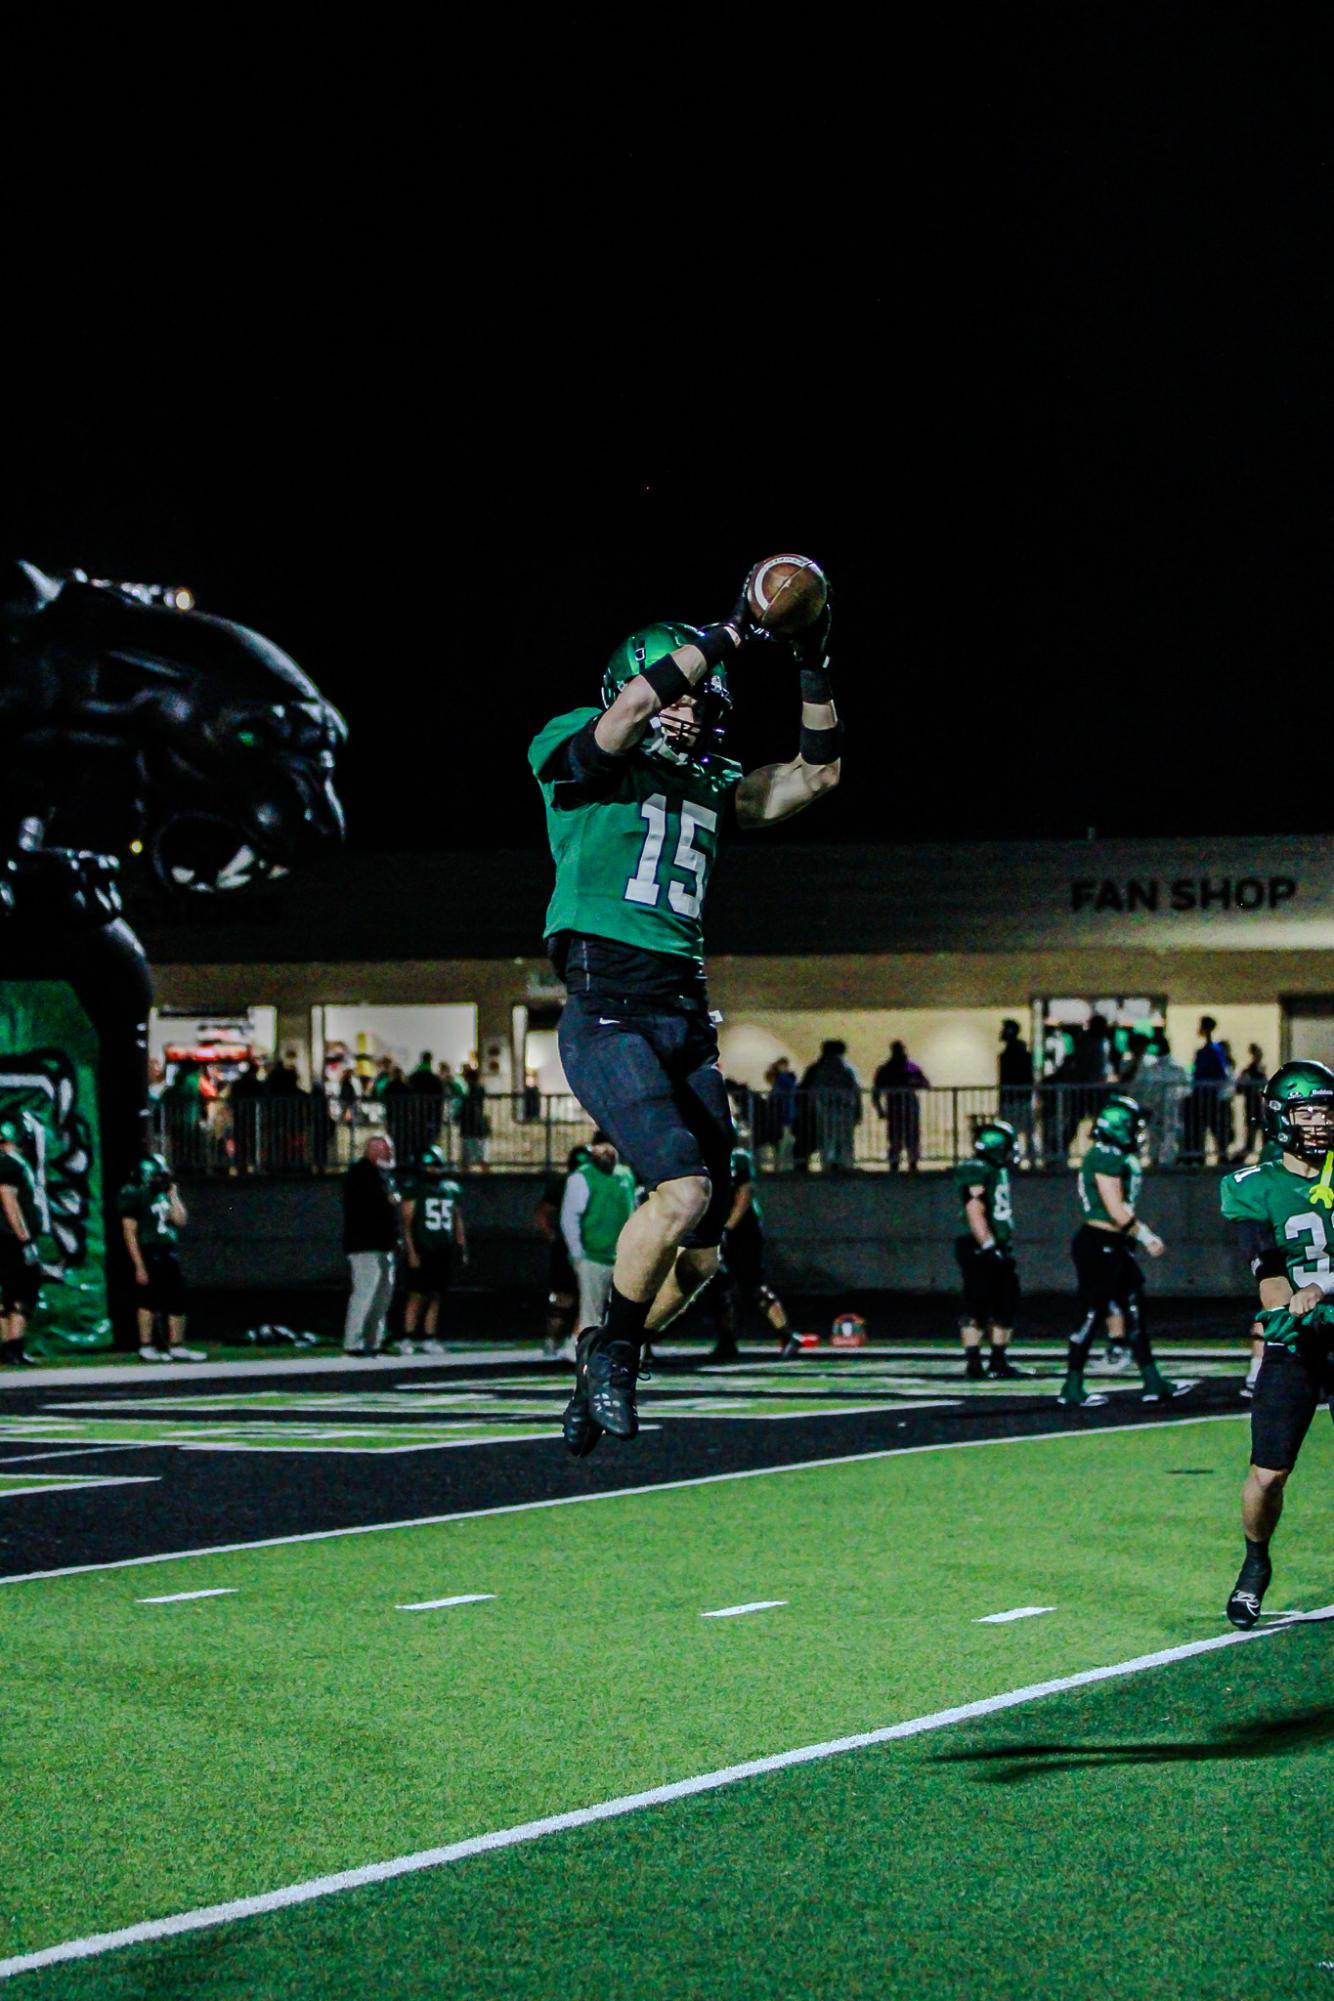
column 953, row 1045
column 449, row 1031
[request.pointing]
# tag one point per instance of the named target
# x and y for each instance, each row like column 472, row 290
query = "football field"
column 840, row 1678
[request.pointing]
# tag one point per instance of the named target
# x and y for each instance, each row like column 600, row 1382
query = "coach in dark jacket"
column 370, row 1239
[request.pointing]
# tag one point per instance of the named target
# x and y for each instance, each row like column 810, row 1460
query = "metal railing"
column 818, row 1131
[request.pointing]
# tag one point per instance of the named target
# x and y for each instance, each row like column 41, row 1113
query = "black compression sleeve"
column 821, row 746
column 584, row 755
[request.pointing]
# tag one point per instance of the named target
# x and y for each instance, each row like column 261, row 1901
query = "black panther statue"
column 129, row 722
column 127, row 719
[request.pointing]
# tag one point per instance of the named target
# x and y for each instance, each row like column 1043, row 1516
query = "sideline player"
column 1255, row 1332
column 637, row 795
column 1111, row 1284
column 432, row 1232
column 20, row 1257
column 986, row 1251
column 562, row 1284
column 1281, row 1210
column 741, row 1280
column 599, row 1199
column 152, row 1216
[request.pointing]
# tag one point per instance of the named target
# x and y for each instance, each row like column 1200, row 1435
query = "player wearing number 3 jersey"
column 1282, row 1213
column 637, row 798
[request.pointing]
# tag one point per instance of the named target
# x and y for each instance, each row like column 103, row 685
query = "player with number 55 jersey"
column 638, row 797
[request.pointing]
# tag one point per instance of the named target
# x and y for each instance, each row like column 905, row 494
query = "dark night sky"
column 1030, row 346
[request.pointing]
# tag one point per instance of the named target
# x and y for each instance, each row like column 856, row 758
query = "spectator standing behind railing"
column 832, row 1099
column 780, row 1111
column 1251, row 1084
column 894, row 1091
column 474, row 1125
column 1209, row 1108
column 1162, row 1088
column 371, row 1223
column 1014, row 1073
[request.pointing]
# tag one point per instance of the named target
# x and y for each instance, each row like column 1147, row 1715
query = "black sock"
column 625, row 1319
column 1258, row 1552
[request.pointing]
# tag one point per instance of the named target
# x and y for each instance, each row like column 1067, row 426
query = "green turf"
column 158, row 1758
column 1003, row 1858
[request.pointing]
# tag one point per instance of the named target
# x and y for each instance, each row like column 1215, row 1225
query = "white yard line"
column 1019, row 1612
column 179, row 1597
column 620, row 1494
column 737, row 1611
column 54, row 1484
column 434, row 1604
column 613, row 1809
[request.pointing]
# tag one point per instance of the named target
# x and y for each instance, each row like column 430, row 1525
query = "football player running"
column 1111, row 1284
column 741, row 1278
column 986, row 1250
column 637, row 794
column 1281, row 1211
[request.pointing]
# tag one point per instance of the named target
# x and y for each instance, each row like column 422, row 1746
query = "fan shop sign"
column 1183, row 894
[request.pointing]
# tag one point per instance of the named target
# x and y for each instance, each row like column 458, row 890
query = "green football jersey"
column 1303, row 1230
column 435, row 1205
column 634, row 866
column 743, row 1175
column 15, row 1173
column 1122, row 1167
column 994, row 1182
column 151, row 1210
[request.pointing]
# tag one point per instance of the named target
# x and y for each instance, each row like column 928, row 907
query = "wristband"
column 667, row 681
column 989, row 1245
column 1143, row 1234
column 720, row 642
column 821, row 746
column 816, row 685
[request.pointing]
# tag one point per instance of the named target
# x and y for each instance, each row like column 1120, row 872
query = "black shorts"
column 743, row 1255
column 648, row 1075
column 990, row 1284
column 1110, row 1280
column 1288, row 1391
column 20, row 1283
column 165, row 1291
column 434, row 1274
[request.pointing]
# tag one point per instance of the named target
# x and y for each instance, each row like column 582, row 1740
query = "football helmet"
column 432, row 1163
column 1121, row 1124
column 713, row 698
column 1292, row 1088
column 153, row 1172
column 996, row 1140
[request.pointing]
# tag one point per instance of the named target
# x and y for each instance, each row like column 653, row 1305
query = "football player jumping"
column 1281, row 1210
column 1111, row 1284
column 637, row 795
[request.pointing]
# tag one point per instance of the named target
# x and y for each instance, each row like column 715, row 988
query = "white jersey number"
column 1318, row 1272
column 643, row 886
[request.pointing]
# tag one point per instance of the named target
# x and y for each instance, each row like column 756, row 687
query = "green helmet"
column 644, row 649
column 153, row 1168
column 1121, row 1123
column 1292, row 1086
column 996, row 1140
column 431, row 1161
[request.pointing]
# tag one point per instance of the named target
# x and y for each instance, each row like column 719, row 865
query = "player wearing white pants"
column 368, row 1305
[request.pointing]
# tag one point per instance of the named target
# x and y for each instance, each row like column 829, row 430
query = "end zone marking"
column 179, row 1597
column 433, row 1604
column 1019, row 1612
column 736, row 1611
column 626, row 1493
column 614, row 1809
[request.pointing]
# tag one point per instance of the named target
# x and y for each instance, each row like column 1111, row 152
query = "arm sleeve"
column 573, row 1204
column 574, row 763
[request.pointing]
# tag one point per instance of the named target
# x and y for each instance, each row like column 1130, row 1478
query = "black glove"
column 810, row 650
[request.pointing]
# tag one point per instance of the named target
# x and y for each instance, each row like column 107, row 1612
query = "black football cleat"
column 610, row 1373
column 1243, row 1607
column 973, row 1372
column 1002, row 1369
column 791, row 1348
column 579, row 1428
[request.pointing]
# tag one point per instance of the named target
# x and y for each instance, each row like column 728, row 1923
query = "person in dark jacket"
column 371, row 1225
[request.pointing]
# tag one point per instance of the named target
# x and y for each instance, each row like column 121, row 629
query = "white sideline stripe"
column 613, row 1809
column 1019, row 1612
column 432, row 1604
column 179, row 1597
column 735, row 1611
column 619, row 1494
column 73, row 1483
column 79, row 1452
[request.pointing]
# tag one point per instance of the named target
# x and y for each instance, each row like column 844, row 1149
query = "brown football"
column 787, row 593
